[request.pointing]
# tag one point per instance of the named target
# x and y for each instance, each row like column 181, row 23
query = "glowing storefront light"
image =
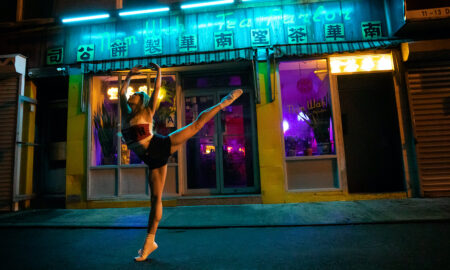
column 146, row 11
column 113, row 93
column 209, row 149
column 206, row 4
column 285, row 125
column 367, row 64
column 130, row 91
column 143, row 88
column 385, row 63
column 85, row 18
column 361, row 63
column 351, row 66
column 302, row 117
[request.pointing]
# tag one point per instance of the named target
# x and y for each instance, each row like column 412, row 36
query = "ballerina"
column 154, row 149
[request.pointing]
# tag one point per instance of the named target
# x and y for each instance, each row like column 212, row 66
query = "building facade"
column 325, row 113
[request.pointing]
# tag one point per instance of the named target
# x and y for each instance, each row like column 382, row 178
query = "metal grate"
column 8, row 117
column 429, row 97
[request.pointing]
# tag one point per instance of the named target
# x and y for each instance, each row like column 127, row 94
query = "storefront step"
column 219, row 200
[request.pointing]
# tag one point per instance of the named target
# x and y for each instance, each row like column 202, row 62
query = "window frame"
column 118, row 167
column 338, row 185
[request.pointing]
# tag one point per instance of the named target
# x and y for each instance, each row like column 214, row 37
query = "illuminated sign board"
column 218, row 30
column 361, row 63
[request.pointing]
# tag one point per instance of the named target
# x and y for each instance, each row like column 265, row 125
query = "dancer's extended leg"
column 180, row 136
column 157, row 180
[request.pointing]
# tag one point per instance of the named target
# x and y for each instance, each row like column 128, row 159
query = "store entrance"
column 51, row 136
column 371, row 133
column 220, row 159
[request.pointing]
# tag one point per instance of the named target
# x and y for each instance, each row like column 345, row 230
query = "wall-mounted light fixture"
column 145, row 11
column 85, row 18
column 206, row 4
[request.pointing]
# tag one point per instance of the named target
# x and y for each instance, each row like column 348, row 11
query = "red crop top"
column 136, row 133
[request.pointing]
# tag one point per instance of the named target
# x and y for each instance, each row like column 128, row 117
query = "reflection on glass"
column 237, row 149
column 307, row 120
column 200, row 150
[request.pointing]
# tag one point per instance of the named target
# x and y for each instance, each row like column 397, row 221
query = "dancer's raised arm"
column 123, row 90
column 154, row 98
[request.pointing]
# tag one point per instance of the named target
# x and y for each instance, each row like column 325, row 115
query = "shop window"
column 307, row 119
column 106, row 146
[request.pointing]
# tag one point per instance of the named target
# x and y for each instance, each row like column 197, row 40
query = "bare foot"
column 230, row 98
column 143, row 254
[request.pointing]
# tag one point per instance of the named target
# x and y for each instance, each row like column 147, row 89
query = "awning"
column 170, row 60
column 312, row 49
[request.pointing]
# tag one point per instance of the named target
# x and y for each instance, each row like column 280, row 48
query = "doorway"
column 221, row 157
column 51, row 136
column 372, row 144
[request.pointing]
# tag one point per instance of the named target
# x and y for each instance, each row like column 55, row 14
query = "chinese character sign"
column 260, row 37
column 223, row 40
column 85, row 53
column 297, row 34
column 371, row 30
column 153, row 45
column 187, row 43
column 334, row 32
column 55, row 56
column 119, row 49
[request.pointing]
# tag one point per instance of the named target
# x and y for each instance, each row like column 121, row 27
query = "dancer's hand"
column 154, row 66
column 134, row 71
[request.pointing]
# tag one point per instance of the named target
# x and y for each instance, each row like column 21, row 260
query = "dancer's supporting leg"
column 157, row 180
column 180, row 136
column 158, row 176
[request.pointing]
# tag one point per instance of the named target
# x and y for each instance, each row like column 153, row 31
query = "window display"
column 105, row 133
column 306, row 102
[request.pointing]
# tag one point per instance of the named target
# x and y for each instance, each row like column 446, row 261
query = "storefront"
column 322, row 116
column 220, row 159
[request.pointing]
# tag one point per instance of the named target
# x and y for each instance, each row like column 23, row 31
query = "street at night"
column 380, row 246
column 225, row 134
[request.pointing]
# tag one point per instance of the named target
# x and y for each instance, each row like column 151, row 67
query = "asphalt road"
column 381, row 246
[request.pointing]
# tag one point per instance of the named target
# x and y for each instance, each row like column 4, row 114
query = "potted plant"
column 105, row 123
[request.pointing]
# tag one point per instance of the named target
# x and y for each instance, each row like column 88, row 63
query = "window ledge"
column 310, row 157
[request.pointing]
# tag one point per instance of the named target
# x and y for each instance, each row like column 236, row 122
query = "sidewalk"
column 250, row 215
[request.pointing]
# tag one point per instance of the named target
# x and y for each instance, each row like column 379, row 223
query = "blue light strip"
column 146, row 11
column 86, row 18
column 205, row 4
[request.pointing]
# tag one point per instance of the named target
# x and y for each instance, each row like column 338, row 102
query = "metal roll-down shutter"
column 8, row 118
column 429, row 97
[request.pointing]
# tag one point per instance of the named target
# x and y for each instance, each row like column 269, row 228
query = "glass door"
column 220, row 158
column 236, row 143
column 201, row 149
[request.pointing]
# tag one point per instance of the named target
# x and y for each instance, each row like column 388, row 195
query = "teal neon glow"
column 206, row 4
column 86, row 18
column 146, row 11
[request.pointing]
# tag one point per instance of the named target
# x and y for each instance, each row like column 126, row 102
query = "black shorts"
column 158, row 152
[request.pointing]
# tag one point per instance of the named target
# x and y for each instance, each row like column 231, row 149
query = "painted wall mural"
column 226, row 29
